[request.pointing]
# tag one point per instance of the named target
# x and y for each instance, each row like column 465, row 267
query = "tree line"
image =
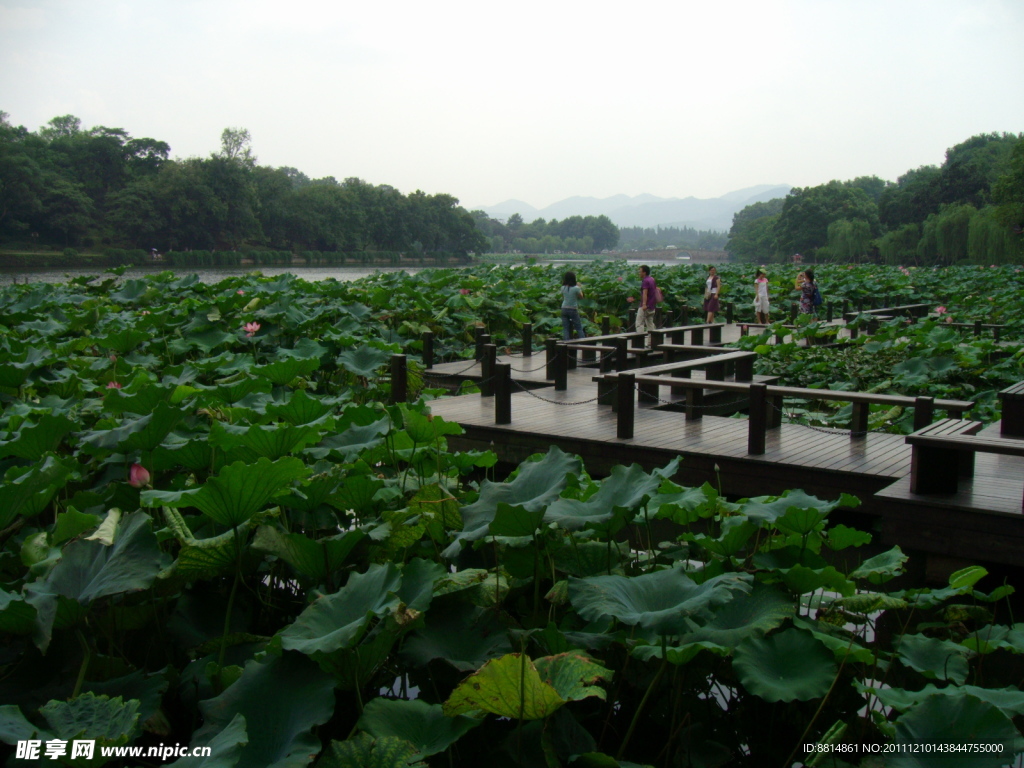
column 969, row 209
column 649, row 238
column 574, row 234
column 63, row 185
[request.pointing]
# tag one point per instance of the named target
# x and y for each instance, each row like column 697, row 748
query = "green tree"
column 236, row 144
column 807, row 213
column 912, row 199
column 849, row 241
column 899, row 246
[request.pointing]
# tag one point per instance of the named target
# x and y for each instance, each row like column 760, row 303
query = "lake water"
column 206, row 274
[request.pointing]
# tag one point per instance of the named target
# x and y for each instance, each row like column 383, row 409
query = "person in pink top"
column 648, row 304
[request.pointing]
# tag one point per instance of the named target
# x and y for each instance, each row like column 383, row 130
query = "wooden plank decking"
column 981, row 522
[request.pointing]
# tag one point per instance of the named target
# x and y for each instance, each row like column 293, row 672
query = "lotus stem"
column 643, row 701
column 86, row 658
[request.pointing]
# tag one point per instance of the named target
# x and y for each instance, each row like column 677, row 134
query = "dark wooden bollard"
column 487, row 363
column 527, row 339
column 606, row 325
column 399, row 379
column 550, row 349
column 793, row 309
column 479, row 344
column 924, row 412
column 758, row 424
column 428, row 349
column 621, row 353
column 632, row 320
column 561, row 368
column 685, row 315
column 502, row 393
column 729, row 310
column 626, row 403
column 977, row 327
column 828, row 312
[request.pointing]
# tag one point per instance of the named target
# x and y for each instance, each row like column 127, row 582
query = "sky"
column 534, row 100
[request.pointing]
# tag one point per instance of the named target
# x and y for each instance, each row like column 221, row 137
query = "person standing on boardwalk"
column 711, row 291
column 648, row 304
column 807, row 290
column 571, row 295
column 761, row 305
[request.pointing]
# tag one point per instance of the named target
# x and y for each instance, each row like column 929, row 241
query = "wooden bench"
column 1012, row 399
column 940, row 460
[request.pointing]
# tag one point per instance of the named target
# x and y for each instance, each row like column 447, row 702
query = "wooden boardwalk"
column 982, row 522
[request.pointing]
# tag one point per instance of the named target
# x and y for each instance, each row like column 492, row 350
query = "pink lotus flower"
column 113, row 358
column 251, row 329
column 619, row 278
column 464, row 291
column 144, row 312
column 630, row 299
column 113, row 385
column 940, row 310
column 240, row 292
column 138, row 476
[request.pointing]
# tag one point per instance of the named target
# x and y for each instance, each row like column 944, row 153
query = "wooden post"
column 846, row 307
column 479, row 352
column 550, row 349
column 793, row 309
column 606, row 325
column 695, row 403
column 503, row 393
column 685, row 315
column 487, row 363
column 758, row 425
column 428, row 349
column 729, row 310
column 697, row 337
column 621, row 353
column 625, row 400
column 399, row 379
column 924, row 412
column 632, row 320
column 859, row 422
column 745, row 369
column 527, row 339
column 977, row 327
column 828, row 313
column 561, row 368
column 715, row 334
column 657, row 339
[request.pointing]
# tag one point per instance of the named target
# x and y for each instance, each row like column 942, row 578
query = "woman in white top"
column 571, row 295
column 761, row 297
column 711, row 294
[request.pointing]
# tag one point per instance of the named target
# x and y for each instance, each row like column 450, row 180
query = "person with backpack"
column 810, row 296
column 571, row 295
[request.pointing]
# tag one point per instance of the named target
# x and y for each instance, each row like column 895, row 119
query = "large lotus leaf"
column 842, row 537
column 363, row 360
column 622, row 492
column 301, row 408
column 769, row 510
column 843, row 648
column 282, row 698
column 423, row 725
column 147, row 689
column 462, row 635
column 881, row 568
column 418, row 579
column 662, row 601
column 314, row 559
column 90, row 570
column 16, row 616
column 280, row 372
column 685, row 505
column 787, row 666
column 107, row 720
column 1009, row 700
column 601, row 760
column 27, row 491
column 574, row 675
column 339, row 620
column 365, row 751
column 425, row 428
column 752, row 615
column 140, row 402
column 995, row 636
column 193, row 453
column 935, row 659
column 225, row 748
column 235, row 388
column 537, row 484
column 356, row 494
column 800, row 580
column 591, row 558
column 142, row 434
column 237, row 493
column 347, row 445
column 733, row 538
column 123, row 341
column 515, row 521
column 954, row 720
column 508, row 687
column 33, row 440
column 270, row 440
column 313, row 494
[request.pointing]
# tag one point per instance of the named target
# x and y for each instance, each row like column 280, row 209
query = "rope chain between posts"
column 427, row 375
column 558, row 402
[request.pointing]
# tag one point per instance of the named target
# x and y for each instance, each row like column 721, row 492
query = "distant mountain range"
column 647, row 210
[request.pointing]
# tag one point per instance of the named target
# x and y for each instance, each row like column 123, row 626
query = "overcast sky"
column 536, row 101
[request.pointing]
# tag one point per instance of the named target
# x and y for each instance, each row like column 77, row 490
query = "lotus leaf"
column 881, row 568
column 934, row 658
column 622, row 492
column 757, row 613
column 282, row 698
column 365, row 751
column 508, row 687
column 33, row 440
column 225, row 748
column 462, row 635
column 954, row 720
column 787, row 666
column 281, row 372
column 314, row 559
column 27, row 491
column 339, row 620
column 364, row 360
column 573, row 675
column 423, row 725
column 662, row 601
column 108, row 721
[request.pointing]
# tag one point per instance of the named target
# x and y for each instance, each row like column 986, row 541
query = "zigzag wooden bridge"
column 622, row 403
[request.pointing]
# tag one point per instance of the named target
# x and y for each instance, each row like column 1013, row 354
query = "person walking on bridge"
column 648, row 303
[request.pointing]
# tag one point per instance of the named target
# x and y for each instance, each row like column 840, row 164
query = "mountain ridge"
column 646, row 210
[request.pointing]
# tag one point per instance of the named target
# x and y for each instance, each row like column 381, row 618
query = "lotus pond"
column 215, row 529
